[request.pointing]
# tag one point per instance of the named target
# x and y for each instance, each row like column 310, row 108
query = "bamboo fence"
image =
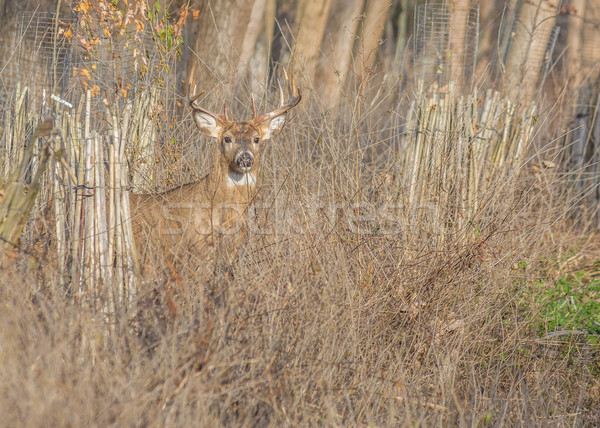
column 84, row 177
column 456, row 148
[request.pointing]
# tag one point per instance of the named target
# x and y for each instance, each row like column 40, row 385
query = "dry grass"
column 351, row 303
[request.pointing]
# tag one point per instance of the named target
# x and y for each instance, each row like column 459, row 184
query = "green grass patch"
column 570, row 303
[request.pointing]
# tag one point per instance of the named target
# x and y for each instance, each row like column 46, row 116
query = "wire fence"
column 40, row 56
column 45, row 53
column 446, row 41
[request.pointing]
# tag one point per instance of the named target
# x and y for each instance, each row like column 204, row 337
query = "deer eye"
column 256, row 140
column 227, row 140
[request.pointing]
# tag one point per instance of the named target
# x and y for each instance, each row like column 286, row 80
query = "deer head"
column 240, row 143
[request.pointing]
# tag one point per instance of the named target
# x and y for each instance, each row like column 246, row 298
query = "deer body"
column 189, row 220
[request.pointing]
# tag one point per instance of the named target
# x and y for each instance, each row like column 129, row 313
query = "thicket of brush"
column 390, row 276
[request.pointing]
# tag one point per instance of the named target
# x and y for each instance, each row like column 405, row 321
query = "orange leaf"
column 139, row 25
column 86, row 73
column 83, row 7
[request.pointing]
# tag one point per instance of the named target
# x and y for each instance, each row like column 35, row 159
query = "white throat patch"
column 240, row 179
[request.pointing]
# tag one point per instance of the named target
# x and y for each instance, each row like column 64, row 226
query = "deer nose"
column 245, row 160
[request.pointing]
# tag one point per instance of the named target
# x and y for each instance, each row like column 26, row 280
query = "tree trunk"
column 489, row 27
column 526, row 54
column 459, row 12
column 2, row 12
column 256, row 25
column 574, row 42
column 590, row 47
column 311, row 20
column 221, row 45
column 253, row 58
column 372, row 28
column 337, row 49
column 402, row 38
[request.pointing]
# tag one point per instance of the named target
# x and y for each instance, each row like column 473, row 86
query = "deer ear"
column 273, row 126
column 207, row 123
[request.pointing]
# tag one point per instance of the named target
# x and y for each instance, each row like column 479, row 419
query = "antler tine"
column 281, row 98
column 194, row 98
column 293, row 81
column 285, row 76
column 254, row 111
column 290, row 83
column 225, row 112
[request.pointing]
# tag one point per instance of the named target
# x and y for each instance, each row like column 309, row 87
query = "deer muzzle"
column 244, row 161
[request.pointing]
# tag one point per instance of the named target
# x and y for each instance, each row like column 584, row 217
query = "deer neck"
column 231, row 186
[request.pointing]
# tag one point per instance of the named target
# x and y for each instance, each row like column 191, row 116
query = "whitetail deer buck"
column 191, row 217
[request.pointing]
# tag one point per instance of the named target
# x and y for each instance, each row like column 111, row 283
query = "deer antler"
column 221, row 117
column 292, row 102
